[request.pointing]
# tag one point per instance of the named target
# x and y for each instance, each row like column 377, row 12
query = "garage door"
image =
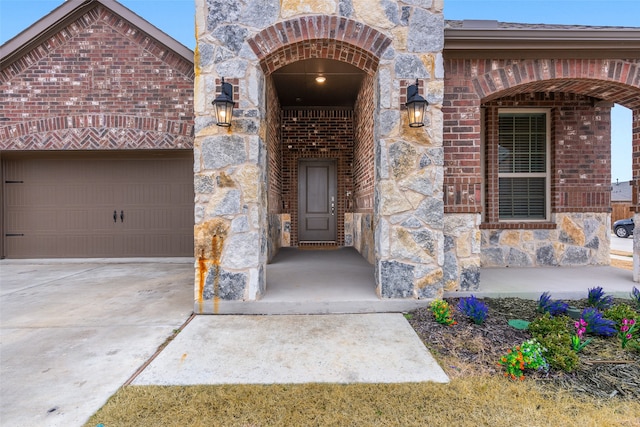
column 98, row 205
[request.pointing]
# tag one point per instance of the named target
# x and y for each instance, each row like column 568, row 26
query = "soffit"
column 296, row 85
column 500, row 40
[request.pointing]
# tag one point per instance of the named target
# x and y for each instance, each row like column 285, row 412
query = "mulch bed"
column 605, row 370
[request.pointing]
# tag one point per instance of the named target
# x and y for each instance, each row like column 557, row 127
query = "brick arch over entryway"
column 608, row 79
column 319, row 36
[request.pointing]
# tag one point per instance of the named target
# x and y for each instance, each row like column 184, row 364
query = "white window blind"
column 523, row 165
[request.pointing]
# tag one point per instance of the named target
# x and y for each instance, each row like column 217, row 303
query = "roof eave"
column 621, row 41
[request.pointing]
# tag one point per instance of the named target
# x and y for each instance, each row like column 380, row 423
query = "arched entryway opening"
column 320, row 116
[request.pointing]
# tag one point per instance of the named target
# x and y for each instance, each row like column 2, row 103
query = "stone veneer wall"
column 578, row 239
column 396, row 43
column 462, row 246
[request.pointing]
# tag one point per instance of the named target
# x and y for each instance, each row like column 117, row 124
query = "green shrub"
column 559, row 354
column 619, row 312
column 548, row 324
column 553, row 333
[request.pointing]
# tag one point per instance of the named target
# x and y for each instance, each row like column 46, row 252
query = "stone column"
column 635, row 188
column 409, row 207
column 229, row 163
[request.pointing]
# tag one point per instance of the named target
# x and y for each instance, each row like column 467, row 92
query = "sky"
column 176, row 18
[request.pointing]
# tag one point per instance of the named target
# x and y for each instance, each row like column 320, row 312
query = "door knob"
column 115, row 216
column 121, row 216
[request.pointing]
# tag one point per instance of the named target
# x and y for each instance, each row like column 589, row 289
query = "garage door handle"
column 121, row 216
column 115, row 216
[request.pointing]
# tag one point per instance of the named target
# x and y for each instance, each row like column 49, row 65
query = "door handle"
column 121, row 216
column 115, row 216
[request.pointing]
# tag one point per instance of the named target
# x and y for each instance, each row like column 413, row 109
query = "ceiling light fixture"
column 321, row 79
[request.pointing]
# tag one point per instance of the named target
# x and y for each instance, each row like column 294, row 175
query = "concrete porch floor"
column 342, row 281
column 337, row 281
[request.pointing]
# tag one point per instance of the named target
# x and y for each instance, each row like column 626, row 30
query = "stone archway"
column 232, row 214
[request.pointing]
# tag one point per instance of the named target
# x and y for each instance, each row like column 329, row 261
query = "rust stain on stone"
column 202, row 271
column 224, row 180
column 209, row 242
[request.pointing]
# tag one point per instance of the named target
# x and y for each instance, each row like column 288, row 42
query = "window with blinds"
column 523, row 144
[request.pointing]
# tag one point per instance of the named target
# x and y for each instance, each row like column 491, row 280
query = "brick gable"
column 98, row 83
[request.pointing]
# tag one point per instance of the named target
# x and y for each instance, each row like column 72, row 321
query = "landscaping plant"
column 554, row 336
column 627, row 331
column 553, row 307
column 597, row 299
column 442, row 312
column 528, row 355
column 473, row 308
column 619, row 312
column 598, row 325
column 576, row 340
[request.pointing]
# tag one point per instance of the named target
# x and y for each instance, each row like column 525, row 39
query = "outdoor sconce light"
column 415, row 106
column 223, row 105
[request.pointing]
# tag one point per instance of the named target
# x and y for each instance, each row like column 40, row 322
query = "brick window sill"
column 518, row 225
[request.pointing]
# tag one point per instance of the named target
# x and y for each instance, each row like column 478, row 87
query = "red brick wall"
column 316, row 134
column 461, row 141
column 97, row 84
column 274, row 158
column 580, row 149
column 363, row 151
column 470, row 84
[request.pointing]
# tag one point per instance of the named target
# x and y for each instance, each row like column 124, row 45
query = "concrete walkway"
column 348, row 348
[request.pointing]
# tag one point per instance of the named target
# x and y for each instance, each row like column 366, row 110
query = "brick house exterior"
column 90, row 82
column 428, row 206
column 512, row 167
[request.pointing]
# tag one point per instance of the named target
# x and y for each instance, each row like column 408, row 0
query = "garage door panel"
column 64, row 206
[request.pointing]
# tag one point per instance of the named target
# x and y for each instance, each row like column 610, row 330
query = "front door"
column 317, row 201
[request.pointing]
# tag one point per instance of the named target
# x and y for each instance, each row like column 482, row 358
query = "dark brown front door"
column 317, row 201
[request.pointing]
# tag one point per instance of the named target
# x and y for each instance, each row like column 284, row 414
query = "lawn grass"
column 470, row 401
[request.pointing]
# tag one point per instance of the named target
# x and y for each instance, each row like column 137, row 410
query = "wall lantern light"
column 415, row 106
column 223, row 105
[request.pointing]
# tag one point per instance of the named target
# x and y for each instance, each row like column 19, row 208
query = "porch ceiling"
column 297, row 87
column 626, row 96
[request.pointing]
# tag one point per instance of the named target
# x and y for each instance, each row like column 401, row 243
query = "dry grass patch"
column 470, row 401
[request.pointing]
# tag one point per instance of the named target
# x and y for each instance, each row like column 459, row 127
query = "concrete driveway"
column 72, row 332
